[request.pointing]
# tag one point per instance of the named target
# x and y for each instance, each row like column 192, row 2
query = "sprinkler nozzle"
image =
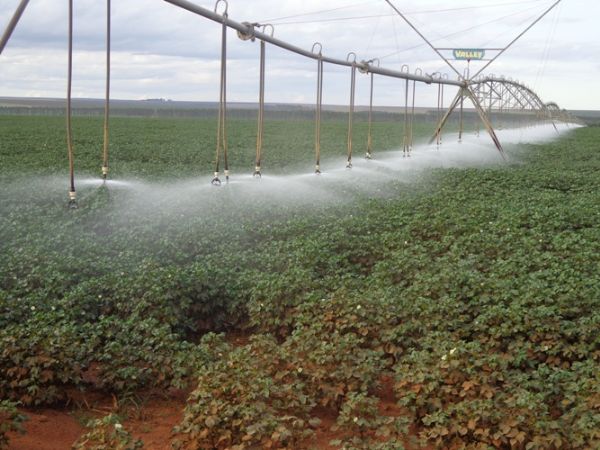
column 216, row 181
column 257, row 172
column 72, row 200
column 368, row 156
column 104, row 172
column 318, row 169
column 226, row 173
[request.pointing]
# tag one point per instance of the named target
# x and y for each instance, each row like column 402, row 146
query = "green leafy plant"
column 364, row 427
column 11, row 420
column 243, row 400
column 476, row 288
column 107, row 433
column 140, row 353
column 39, row 358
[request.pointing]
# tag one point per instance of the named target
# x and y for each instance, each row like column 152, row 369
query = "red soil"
column 47, row 429
column 58, row 429
column 151, row 421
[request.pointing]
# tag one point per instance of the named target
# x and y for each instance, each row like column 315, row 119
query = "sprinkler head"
column 368, row 156
column 216, row 181
column 349, row 165
column 72, row 200
column 318, row 169
column 257, row 173
column 104, row 172
column 226, row 172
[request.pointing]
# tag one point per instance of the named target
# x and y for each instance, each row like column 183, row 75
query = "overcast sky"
column 161, row 51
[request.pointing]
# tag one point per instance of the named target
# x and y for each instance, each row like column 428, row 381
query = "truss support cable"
column 318, row 110
column 518, row 37
column 107, row 101
column 369, row 154
column 351, row 114
column 12, row 24
column 261, row 112
column 423, row 37
column 72, row 193
column 222, row 120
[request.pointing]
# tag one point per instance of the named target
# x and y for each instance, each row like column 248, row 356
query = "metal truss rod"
column 509, row 89
column 507, row 83
column 479, row 48
column 12, row 24
column 444, row 119
column 362, row 66
column 518, row 37
column 486, row 121
column 424, row 38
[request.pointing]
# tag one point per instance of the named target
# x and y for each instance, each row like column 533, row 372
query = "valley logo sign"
column 468, row 54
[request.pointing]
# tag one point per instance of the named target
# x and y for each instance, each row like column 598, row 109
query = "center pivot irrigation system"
column 486, row 93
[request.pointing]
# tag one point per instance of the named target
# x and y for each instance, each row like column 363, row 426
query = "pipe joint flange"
column 250, row 35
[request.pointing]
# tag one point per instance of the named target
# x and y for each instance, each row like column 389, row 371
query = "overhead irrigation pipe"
column 249, row 30
column 12, row 24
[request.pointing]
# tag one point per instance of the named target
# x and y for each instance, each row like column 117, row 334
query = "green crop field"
column 467, row 301
column 170, row 148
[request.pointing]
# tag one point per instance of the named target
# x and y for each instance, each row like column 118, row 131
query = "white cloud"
column 163, row 51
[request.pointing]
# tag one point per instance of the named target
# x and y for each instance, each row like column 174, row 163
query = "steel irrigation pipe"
column 412, row 114
column 319, row 107
column 351, row 107
column 444, row 76
column 245, row 29
column 107, row 101
column 261, row 105
column 72, row 193
column 437, row 105
column 222, row 120
column 369, row 154
column 261, row 112
column 405, row 140
column 12, row 24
